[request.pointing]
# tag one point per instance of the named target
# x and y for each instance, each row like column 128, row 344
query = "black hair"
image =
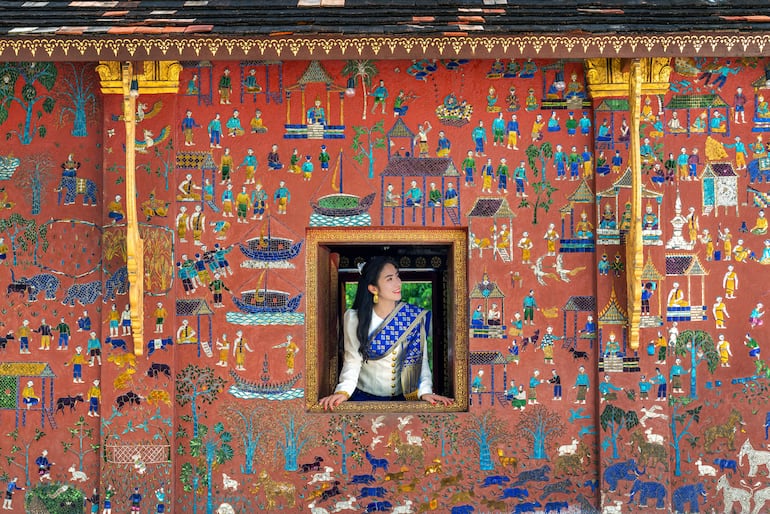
column 364, row 300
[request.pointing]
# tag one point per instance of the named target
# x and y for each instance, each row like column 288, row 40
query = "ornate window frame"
column 325, row 248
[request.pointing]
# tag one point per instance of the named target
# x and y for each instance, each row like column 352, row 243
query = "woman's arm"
column 351, row 363
column 351, row 360
column 426, row 376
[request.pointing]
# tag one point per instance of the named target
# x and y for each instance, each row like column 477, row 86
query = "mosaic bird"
column 537, row 269
column 149, row 140
column 565, row 274
column 404, row 421
column 377, row 423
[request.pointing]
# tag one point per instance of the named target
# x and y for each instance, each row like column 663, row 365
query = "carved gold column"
column 134, row 243
column 154, row 77
column 634, row 249
column 609, row 77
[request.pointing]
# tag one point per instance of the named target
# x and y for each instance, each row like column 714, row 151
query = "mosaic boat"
column 256, row 301
column 268, row 247
column 264, row 386
column 341, row 204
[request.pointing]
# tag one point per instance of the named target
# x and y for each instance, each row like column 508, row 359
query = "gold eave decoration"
column 607, row 77
column 152, row 77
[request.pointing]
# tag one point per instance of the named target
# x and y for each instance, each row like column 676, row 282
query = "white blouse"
column 378, row 377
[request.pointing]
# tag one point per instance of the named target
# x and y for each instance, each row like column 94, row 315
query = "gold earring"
column 376, row 297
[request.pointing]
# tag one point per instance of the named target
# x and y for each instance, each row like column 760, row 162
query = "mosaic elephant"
column 621, row 471
column 647, row 491
column 759, row 170
column 116, row 284
column 73, row 186
column 84, row 294
column 691, row 494
column 41, row 282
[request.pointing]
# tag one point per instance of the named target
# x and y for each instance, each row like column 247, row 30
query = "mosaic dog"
column 532, row 475
column 20, row 288
column 68, row 401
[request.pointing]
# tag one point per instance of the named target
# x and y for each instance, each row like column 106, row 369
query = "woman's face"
column 389, row 284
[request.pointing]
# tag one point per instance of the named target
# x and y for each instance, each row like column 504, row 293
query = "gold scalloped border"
column 286, row 47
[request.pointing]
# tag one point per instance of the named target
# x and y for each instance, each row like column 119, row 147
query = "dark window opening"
column 432, row 269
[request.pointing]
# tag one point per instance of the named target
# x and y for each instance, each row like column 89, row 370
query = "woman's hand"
column 433, row 399
column 331, row 401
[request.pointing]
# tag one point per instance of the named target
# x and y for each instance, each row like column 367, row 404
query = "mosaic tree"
column 343, row 438
column 82, row 434
column 700, row 347
column 537, row 425
column 363, row 70
column 18, row 455
column 114, row 244
column 484, row 432
column 542, row 188
column 209, row 448
column 217, row 449
column 681, row 421
column 365, row 142
column 166, row 159
column 614, row 419
column 31, row 75
column 441, row 431
column 78, row 100
column 193, row 384
column 24, row 233
column 297, row 433
column 119, row 172
column 247, row 422
column 756, row 388
column 158, row 263
column 33, row 175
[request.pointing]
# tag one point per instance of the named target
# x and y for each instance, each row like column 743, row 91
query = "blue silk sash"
column 407, row 326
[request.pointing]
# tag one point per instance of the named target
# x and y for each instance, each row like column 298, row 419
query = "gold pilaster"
column 615, row 77
column 126, row 78
column 134, row 243
column 634, row 249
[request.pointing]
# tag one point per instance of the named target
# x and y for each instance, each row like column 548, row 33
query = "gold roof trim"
column 195, row 47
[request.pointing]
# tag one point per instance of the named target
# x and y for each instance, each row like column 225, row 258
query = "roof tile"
column 393, row 17
column 122, row 30
column 198, row 28
column 71, row 31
